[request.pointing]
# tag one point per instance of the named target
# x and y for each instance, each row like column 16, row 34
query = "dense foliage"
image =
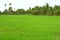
column 37, row 10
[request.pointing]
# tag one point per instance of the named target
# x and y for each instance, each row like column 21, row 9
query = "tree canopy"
column 37, row 10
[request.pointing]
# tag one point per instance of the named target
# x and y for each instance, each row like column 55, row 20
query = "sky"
column 25, row 4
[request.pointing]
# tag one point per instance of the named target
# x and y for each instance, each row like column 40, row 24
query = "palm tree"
column 10, row 8
column 5, row 6
column 47, row 5
column 10, row 4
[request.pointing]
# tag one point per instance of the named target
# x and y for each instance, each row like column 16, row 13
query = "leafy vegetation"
column 37, row 10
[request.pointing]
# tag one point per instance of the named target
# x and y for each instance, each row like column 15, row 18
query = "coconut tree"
column 5, row 6
column 10, row 4
column 5, row 11
column 10, row 8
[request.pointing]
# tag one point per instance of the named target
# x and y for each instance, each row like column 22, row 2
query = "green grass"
column 20, row 27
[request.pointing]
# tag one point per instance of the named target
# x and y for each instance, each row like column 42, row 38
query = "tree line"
column 37, row 10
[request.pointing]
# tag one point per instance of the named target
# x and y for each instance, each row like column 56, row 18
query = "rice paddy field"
column 27, row 27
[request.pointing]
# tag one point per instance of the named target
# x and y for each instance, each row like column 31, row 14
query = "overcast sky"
column 25, row 4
